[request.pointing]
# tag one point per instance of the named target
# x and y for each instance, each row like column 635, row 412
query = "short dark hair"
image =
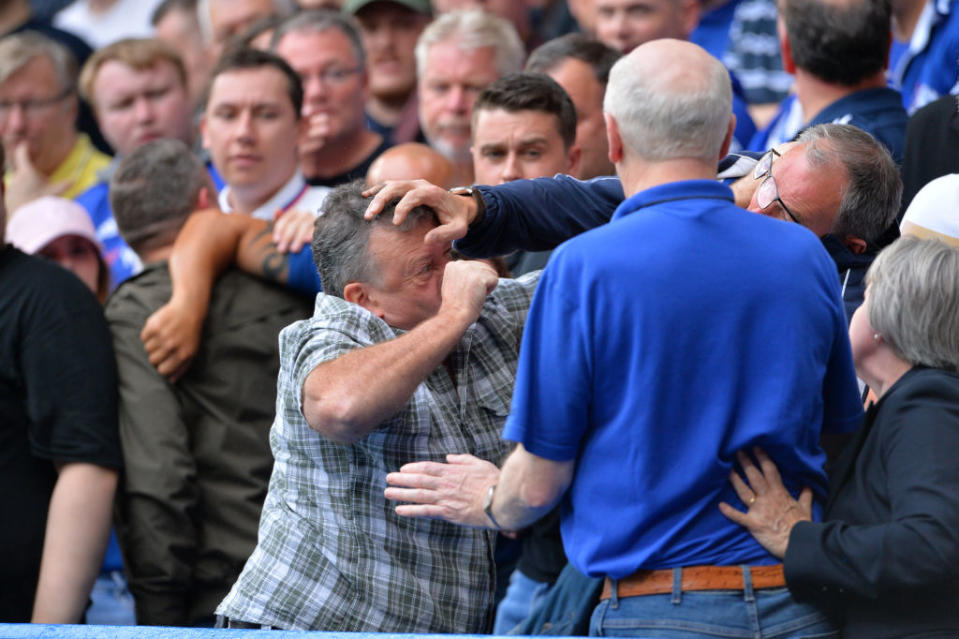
column 341, row 236
column 167, row 6
column 246, row 59
column 838, row 42
column 528, row 91
column 153, row 191
column 598, row 56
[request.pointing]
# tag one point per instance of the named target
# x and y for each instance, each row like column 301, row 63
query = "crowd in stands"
column 558, row 317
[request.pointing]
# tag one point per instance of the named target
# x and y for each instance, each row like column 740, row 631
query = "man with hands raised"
column 409, row 356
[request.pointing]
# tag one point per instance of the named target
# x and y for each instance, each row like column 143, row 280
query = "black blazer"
column 887, row 558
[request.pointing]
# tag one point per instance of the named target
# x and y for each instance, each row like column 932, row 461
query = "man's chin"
column 457, row 151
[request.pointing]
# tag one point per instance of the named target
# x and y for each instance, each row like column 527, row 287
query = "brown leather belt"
column 659, row 582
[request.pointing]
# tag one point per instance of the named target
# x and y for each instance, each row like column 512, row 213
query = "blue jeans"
column 769, row 613
column 522, row 594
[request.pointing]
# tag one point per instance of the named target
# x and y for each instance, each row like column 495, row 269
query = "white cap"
column 936, row 207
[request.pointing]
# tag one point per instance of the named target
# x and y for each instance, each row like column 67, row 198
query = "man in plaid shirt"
column 409, row 356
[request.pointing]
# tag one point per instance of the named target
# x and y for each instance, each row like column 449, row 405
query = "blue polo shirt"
column 660, row 344
column 876, row 111
column 928, row 67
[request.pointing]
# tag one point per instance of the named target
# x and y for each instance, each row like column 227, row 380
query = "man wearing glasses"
column 325, row 50
column 38, row 111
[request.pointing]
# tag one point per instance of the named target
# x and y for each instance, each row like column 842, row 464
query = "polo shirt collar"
column 675, row 192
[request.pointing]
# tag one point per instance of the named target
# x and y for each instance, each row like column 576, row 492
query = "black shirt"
column 57, row 404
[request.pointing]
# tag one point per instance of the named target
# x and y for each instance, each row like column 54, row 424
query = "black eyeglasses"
column 768, row 191
column 33, row 106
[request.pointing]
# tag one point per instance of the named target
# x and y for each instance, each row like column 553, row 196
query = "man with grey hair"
column 408, row 356
column 38, row 110
column 197, row 455
column 457, row 56
column 221, row 20
column 704, row 307
column 325, row 50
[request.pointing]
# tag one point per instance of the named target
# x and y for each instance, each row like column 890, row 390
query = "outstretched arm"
column 527, row 488
column 531, row 215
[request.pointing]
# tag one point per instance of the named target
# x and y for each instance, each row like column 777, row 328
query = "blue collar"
column 673, row 192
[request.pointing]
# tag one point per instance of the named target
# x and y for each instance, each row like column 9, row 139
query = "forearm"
column 346, row 398
column 205, row 247
column 539, row 214
column 78, row 526
column 529, row 487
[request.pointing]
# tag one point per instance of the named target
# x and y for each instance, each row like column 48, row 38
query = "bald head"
column 670, row 100
column 411, row 161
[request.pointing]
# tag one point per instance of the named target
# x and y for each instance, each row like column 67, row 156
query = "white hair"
column 914, row 300
column 473, row 29
column 679, row 113
column 281, row 8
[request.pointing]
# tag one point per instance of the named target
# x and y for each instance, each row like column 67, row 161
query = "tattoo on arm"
column 261, row 257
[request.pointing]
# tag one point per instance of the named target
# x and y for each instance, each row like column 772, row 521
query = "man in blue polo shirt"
column 658, row 346
column 837, row 50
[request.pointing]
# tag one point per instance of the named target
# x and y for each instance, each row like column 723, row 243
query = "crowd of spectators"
column 567, row 317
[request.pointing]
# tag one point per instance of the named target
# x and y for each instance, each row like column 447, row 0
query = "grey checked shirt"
column 332, row 555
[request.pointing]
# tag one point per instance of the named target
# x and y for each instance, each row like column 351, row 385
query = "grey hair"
column 473, row 29
column 914, row 300
column 658, row 122
column 154, row 190
column 320, row 20
column 18, row 49
column 341, row 236
column 872, row 193
column 280, row 7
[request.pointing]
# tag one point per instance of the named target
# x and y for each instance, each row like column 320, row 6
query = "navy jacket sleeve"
column 540, row 214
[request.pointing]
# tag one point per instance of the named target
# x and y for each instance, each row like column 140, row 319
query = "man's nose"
column 16, row 120
column 511, row 168
column 457, row 100
column 144, row 109
column 245, row 127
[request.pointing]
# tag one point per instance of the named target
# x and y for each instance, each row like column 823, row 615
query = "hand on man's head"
column 454, row 212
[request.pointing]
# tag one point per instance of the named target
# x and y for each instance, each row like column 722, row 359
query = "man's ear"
column 573, row 156
column 789, row 65
column 614, row 139
column 202, row 127
column 204, row 199
column 728, row 140
column 359, row 294
column 690, row 16
column 856, row 245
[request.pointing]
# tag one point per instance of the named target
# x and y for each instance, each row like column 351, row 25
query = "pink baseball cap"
column 35, row 224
